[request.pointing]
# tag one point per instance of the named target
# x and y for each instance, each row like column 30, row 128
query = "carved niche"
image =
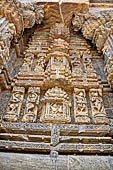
column 80, row 107
column 56, row 106
column 28, row 61
column 14, row 105
column 31, row 110
column 97, row 107
column 76, row 66
column 57, row 61
column 39, row 63
column 88, row 67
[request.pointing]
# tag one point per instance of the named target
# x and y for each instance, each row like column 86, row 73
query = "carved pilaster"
column 30, row 112
column 14, row 105
column 55, row 135
column 97, row 107
column 54, row 155
column 80, row 107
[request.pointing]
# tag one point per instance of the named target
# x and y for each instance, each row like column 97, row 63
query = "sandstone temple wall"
column 56, row 84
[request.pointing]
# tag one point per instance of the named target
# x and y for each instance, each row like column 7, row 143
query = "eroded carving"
column 76, row 66
column 56, row 106
column 32, row 14
column 58, row 64
column 31, row 110
column 39, row 63
column 28, row 61
column 14, row 105
column 98, row 111
column 80, row 106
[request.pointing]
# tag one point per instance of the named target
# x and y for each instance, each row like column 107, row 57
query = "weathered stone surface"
column 44, row 162
column 79, row 163
column 58, row 100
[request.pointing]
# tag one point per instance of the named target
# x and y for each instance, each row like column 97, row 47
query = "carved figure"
column 56, row 109
column 39, row 12
column 30, row 113
column 39, row 64
column 56, row 106
column 14, row 105
column 76, row 66
column 80, row 107
column 27, row 62
column 98, row 111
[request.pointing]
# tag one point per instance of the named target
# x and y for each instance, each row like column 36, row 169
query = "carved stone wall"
column 58, row 101
column 99, row 29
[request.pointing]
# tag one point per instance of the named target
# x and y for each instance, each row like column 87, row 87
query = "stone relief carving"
column 78, row 21
column 31, row 110
column 32, row 14
column 39, row 63
column 39, row 12
column 28, row 61
column 76, row 66
column 108, row 57
column 98, row 111
column 58, row 64
column 6, row 35
column 14, row 105
column 56, row 106
column 4, row 51
column 88, row 67
column 59, row 30
column 80, row 107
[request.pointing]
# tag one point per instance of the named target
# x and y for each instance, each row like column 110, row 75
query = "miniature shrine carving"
column 56, row 106
column 56, row 80
column 39, row 64
column 26, row 67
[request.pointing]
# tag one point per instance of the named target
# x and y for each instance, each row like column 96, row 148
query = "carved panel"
column 56, row 106
column 58, row 68
column 30, row 112
column 98, row 111
column 77, row 66
column 39, row 64
column 80, row 106
column 14, row 105
column 59, row 30
column 58, row 61
column 28, row 60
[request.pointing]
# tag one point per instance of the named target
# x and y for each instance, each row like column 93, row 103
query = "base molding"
column 49, row 162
